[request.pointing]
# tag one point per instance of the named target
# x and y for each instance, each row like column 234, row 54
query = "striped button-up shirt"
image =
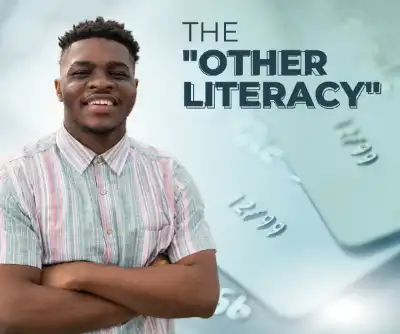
column 61, row 202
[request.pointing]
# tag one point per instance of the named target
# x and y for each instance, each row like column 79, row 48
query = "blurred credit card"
column 270, row 237
column 349, row 167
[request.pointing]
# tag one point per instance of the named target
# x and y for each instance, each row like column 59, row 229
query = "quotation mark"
column 373, row 87
column 189, row 55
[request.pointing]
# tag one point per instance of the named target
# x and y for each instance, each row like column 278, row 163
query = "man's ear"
column 57, row 87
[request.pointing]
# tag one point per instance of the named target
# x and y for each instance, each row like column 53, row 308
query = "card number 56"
column 233, row 305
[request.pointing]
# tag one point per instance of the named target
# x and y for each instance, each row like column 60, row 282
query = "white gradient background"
column 293, row 274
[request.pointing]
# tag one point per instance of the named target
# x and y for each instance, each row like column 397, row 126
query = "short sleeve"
column 192, row 232
column 19, row 243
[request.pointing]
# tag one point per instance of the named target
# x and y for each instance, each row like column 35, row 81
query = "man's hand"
column 67, row 275
column 160, row 260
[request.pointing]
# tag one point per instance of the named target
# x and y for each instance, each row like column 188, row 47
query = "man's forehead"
column 96, row 50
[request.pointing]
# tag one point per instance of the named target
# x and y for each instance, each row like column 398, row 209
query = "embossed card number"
column 248, row 211
column 233, row 305
column 351, row 135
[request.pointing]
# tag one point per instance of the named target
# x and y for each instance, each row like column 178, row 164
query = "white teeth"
column 101, row 102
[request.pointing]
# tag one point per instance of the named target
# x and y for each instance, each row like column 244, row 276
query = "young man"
column 86, row 211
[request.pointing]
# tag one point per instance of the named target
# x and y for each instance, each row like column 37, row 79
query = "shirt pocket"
column 151, row 242
column 148, row 231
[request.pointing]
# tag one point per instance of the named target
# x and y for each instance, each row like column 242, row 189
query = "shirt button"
column 99, row 160
column 109, row 230
column 103, row 191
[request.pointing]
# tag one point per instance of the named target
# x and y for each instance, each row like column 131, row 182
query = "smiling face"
column 97, row 86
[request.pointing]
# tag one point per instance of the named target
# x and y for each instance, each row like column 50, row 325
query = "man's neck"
column 98, row 143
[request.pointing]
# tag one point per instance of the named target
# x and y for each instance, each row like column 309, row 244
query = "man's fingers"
column 160, row 259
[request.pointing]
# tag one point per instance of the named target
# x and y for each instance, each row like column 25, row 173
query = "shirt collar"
column 80, row 157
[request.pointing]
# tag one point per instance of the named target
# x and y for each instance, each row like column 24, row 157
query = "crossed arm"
column 82, row 297
column 188, row 288
column 26, row 306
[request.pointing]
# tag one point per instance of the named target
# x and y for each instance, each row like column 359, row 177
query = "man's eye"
column 119, row 74
column 80, row 73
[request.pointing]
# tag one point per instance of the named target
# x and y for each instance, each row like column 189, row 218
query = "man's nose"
column 101, row 81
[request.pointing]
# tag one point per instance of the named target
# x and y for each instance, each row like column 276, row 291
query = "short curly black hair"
column 108, row 29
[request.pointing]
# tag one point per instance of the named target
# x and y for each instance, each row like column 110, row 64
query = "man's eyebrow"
column 82, row 63
column 117, row 64
column 91, row 64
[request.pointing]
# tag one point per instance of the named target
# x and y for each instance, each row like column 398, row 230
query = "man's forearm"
column 32, row 309
column 173, row 291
